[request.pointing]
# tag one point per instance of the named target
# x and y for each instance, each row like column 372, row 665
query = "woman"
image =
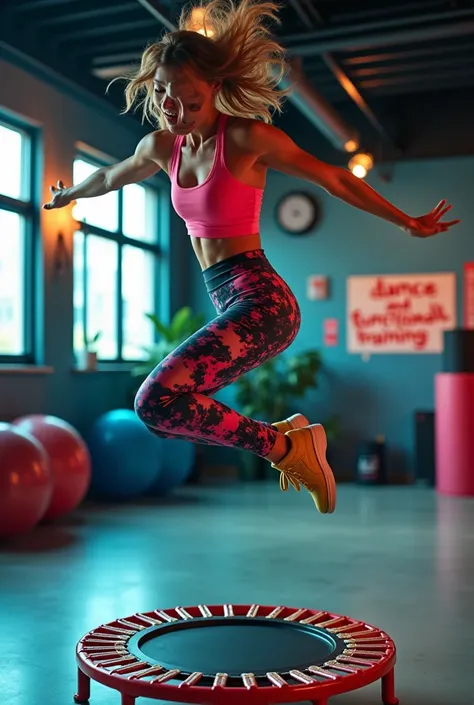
column 212, row 94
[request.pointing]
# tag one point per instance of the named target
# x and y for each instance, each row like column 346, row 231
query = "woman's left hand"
column 431, row 224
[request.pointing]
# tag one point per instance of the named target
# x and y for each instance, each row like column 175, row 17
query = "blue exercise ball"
column 126, row 456
column 177, row 463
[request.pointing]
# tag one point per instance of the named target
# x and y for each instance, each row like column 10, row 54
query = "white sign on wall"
column 404, row 313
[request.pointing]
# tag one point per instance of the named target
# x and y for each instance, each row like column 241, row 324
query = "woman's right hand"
column 60, row 197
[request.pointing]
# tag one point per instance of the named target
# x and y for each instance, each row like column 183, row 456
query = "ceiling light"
column 360, row 164
column 199, row 24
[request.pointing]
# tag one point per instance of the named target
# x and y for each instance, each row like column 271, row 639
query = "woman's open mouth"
column 172, row 120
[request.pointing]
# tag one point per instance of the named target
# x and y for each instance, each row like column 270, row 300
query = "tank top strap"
column 220, row 141
column 175, row 155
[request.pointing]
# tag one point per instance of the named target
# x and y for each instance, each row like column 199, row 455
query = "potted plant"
column 269, row 393
column 87, row 357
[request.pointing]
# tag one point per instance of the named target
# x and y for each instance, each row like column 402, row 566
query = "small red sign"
column 317, row 287
column 331, row 332
column 468, row 294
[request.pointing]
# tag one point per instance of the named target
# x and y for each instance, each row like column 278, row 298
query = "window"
column 17, row 218
column 116, row 258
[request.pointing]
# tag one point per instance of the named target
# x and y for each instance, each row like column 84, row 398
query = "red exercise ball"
column 69, row 459
column 26, row 481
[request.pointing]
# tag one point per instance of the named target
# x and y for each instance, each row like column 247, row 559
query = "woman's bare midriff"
column 209, row 251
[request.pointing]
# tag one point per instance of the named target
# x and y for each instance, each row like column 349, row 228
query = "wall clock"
column 298, row 213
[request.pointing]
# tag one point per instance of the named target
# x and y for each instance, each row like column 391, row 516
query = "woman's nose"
column 168, row 103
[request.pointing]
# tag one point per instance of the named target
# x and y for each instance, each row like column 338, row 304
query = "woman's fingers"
column 438, row 207
column 445, row 210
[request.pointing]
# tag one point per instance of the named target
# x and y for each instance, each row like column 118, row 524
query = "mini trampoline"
column 235, row 655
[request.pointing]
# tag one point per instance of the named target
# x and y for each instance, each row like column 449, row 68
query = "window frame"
column 29, row 210
column 121, row 240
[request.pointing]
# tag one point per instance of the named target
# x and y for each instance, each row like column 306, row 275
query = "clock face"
column 297, row 213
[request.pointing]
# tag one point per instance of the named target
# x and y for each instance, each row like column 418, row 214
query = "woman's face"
column 185, row 100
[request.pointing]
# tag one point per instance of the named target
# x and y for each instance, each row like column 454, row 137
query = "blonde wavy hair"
column 231, row 44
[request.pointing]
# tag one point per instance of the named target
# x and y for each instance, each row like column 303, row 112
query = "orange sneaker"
column 306, row 464
column 292, row 422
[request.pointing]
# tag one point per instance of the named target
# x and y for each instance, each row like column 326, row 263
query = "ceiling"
column 374, row 58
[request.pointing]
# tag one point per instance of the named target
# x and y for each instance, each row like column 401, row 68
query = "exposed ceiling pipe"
column 405, row 54
column 353, row 31
column 319, row 111
column 108, row 73
column 313, row 106
column 310, row 45
column 159, row 13
column 111, row 60
column 338, row 72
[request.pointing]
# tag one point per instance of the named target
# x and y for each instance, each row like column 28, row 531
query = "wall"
column 65, row 118
column 381, row 395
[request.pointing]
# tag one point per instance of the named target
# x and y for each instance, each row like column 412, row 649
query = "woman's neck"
column 197, row 137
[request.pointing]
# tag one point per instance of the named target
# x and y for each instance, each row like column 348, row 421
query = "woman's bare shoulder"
column 158, row 146
column 245, row 133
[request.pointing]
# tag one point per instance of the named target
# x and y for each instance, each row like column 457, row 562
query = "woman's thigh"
column 244, row 336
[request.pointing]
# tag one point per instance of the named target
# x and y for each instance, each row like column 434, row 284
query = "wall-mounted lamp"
column 360, row 164
column 61, row 260
column 77, row 213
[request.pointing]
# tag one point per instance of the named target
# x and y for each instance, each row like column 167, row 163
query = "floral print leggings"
column 257, row 318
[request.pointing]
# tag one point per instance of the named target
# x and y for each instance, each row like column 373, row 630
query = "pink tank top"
column 222, row 206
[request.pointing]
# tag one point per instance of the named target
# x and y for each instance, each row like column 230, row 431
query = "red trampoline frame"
column 370, row 655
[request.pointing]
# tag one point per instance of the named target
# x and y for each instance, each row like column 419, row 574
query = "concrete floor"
column 399, row 558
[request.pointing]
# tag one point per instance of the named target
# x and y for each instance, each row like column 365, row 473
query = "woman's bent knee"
column 152, row 402
column 143, row 402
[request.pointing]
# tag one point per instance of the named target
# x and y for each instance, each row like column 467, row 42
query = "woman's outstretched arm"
column 276, row 150
column 141, row 165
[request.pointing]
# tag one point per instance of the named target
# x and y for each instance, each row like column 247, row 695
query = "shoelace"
column 286, row 478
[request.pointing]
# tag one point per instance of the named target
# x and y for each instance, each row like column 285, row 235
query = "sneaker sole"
column 320, row 444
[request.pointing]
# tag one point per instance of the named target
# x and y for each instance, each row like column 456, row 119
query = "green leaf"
column 180, row 322
column 163, row 330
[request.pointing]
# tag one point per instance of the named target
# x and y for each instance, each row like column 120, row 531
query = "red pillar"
column 454, row 426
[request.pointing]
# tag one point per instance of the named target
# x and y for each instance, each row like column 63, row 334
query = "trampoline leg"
column 388, row 689
column 83, row 687
column 128, row 699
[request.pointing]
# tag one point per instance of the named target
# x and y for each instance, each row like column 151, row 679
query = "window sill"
column 12, row 369
column 104, row 367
